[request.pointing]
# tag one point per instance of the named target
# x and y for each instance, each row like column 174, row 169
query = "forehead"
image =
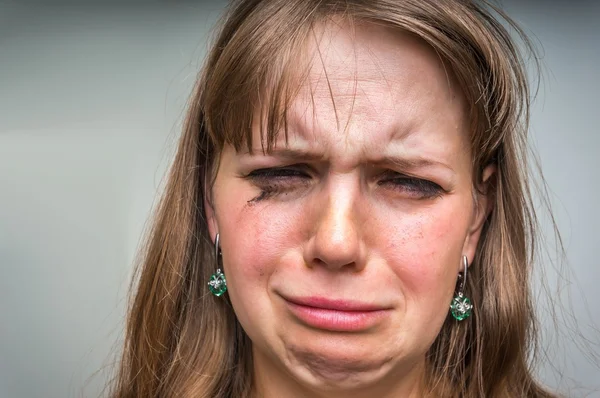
column 370, row 85
column 368, row 53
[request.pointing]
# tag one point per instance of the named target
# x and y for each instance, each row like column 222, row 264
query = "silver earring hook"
column 463, row 281
column 466, row 266
column 217, row 247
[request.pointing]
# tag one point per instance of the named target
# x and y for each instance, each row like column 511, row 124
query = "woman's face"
column 342, row 247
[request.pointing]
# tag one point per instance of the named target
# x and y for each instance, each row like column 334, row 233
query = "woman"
column 348, row 212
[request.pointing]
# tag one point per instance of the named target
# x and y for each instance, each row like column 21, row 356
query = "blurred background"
column 92, row 94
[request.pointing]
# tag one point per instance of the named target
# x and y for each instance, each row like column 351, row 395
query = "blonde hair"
column 181, row 341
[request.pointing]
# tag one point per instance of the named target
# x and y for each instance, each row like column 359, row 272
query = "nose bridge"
column 336, row 240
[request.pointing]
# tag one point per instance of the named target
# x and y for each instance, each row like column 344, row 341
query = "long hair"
column 181, row 341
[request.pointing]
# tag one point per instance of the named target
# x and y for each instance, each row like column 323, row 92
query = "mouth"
column 336, row 315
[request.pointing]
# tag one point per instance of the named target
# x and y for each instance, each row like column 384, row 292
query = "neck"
column 272, row 380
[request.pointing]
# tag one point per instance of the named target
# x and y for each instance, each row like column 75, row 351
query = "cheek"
column 424, row 249
column 255, row 238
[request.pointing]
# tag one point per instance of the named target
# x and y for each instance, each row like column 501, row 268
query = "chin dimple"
column 335, row 370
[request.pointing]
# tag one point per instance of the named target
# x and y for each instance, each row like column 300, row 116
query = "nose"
column 336, row 241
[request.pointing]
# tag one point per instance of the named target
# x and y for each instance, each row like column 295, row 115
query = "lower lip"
column 336, row 320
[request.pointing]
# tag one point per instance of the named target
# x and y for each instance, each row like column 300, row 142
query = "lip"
column 336, row 315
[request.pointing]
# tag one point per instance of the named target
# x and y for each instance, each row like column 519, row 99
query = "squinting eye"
column 278, row 180
column 414, row 187
column 273, row 175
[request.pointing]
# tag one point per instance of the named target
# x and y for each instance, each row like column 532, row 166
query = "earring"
column 217, row 283
column 461, row 306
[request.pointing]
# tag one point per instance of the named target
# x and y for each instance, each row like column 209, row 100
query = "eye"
column 279, row 174
column 278, row 180
column 414, row 187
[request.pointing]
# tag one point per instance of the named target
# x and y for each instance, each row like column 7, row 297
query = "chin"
column 335, row 364
column 330, row 375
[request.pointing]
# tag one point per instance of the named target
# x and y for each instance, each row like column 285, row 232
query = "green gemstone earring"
column 217, row 284
column 461, row 306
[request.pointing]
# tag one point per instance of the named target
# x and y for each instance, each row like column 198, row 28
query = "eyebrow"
column 289, row 154
column 411, row 163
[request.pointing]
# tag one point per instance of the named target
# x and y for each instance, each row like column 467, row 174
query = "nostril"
column 317, row 262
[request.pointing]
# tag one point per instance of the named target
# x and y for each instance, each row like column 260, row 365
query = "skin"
column 340, row 221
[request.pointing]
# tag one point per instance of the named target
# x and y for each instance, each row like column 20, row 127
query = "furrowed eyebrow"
column 411, row 163
column 289, row 154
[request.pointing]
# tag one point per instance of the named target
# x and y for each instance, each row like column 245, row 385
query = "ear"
column 483, row 206
column 209, row 211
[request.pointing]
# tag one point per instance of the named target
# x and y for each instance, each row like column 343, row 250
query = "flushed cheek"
column 423, row 250
column 256, row 235
column 256, row 240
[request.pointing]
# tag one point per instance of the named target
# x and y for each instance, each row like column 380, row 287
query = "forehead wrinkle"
column 371, row 71
column 356, row 101
column 358, row 98
column 311, row 129
column 346, row 78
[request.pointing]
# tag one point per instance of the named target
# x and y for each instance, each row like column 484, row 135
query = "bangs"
column 256, row 73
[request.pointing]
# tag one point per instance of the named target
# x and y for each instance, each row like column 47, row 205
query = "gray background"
column 91, row 99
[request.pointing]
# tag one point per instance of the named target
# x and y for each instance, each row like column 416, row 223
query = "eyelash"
column 425, row 189
column 273, row 181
